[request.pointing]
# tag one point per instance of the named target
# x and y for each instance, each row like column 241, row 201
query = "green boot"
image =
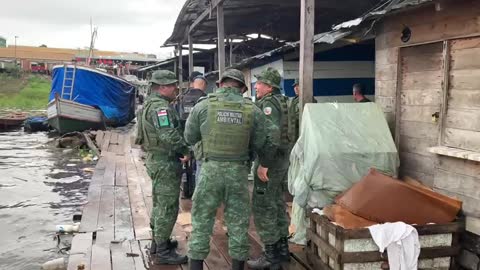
column 282, row 246
column 196, row 265
column 269, row 259
column 238, row 265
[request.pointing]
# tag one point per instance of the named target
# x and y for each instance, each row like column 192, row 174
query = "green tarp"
column 338, row 144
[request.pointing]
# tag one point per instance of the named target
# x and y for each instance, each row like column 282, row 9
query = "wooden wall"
column 410, row 85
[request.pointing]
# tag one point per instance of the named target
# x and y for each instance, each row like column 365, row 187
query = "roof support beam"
column 221, row 40
column 307, row 25
column 180, row 66
column 205, row 14
column 190, row 55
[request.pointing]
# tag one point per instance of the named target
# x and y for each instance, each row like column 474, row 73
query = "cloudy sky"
column 123, row 25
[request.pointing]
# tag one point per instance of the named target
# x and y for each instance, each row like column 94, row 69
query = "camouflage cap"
column 234, row 74
column 271, row 77
column 163, row 77
column 297, row 82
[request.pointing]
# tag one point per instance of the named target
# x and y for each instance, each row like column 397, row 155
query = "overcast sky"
column 123, row 25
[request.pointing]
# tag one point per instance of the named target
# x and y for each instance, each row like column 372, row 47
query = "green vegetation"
column 26, row 93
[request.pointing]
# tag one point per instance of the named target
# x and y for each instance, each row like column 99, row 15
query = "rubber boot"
column 172, row 243
column 196, row 264
column 269, row 259
column 283, row 252
column 238, row 265
column 167, row 255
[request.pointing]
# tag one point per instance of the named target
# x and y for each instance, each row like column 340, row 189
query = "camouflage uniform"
column 224, row 174
column 269, row 207
column 294, row 117
column 164, row 143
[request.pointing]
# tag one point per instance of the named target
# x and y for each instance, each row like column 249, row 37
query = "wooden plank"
column 469, row 206
column 105, row 141
column 106, row 221
column 204, row 14
column 421, row 97
column 140, row 216
column 101, row 256
column 458, row 183
column 460, row 166
column 123, row 216
column 80, row 252
column 419, row 130
column 114, row 138
column 385, row 88
column 463, row 119
column 90, row 210
column 417, row 145
column 324, row 246
column 463, row 139
column 420, row 62
column 418, row 113
column 375, row 256
column 120, row 171
column 418, row 163
column 137, row 254
column 109, row 175
column 90, row 144
column 464, row 99
column 430, row 80
column 121, row 256
column 99, row 137
column 221, row 39
column 307, row 31
column 465, row 59
column 464, row 79
column 426, row 179
column 386, row 72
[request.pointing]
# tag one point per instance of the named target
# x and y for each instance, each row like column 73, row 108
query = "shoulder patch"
column 162, row 117
column 267, row 110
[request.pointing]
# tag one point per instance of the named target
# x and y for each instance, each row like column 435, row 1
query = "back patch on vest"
column 163, row 120
column 229, row 117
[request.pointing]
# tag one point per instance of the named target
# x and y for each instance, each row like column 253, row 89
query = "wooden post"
column 307, row 25
column 230, row 62
column 180, row 67
column 221, row 40
column 190, row 55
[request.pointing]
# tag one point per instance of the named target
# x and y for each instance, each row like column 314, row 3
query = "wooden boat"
column 68, row 116
column 85, row 98
column 12, row 120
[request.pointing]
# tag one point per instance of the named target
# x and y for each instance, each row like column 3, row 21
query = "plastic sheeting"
column 114, row 96
column 338, row 145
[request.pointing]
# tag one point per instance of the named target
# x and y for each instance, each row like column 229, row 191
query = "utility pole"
column 16, row 51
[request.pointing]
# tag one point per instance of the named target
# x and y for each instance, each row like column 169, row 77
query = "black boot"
column 283, row 252
column 172, row 243
column 196, row 265
column 238, row 265
column 167, row 255
column 269, row 259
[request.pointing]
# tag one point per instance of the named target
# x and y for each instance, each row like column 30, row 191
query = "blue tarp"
column 114, row 96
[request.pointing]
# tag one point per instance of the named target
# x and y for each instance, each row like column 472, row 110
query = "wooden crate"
column 334, row 248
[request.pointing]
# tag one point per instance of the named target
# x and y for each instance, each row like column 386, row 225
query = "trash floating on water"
column 67, row 228
column 57, row 264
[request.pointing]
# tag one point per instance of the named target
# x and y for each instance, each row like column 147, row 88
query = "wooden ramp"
column 115, row 227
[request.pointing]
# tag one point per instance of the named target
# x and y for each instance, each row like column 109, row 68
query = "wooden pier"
column 115, row 226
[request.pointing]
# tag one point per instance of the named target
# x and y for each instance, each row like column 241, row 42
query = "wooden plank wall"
column 456, row 19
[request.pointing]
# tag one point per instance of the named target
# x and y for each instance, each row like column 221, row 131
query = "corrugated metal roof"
column 279, row 19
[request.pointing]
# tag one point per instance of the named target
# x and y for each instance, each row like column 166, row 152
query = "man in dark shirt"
column 358, row 93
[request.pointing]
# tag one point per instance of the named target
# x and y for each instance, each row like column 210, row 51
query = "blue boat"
column 84, row 98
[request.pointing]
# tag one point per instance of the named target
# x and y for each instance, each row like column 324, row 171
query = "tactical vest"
column 228, row 129
column 139, row 136
column 149, row 132
column 293, row 120
column 187, row 102
column 281, row 104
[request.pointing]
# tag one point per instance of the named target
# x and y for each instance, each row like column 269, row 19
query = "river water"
column 40, row 186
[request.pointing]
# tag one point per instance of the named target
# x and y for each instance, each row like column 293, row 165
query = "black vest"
column 187, row 101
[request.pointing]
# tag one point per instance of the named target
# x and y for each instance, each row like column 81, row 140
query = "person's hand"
column 262, row 173
column 185, row 159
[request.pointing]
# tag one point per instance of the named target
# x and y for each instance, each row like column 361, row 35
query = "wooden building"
column 428, row 84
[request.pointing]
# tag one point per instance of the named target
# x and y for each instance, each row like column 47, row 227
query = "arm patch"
column 162, row 118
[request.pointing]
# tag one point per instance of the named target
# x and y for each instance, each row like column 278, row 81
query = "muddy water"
column 40, row 186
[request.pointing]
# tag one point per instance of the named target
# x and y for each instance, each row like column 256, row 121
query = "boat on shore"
column 85, row 98
column 12, row 120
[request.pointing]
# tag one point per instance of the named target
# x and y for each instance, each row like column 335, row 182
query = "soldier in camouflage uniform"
column 230, row 127
column 269, row 207
column 162, row 138
column 294, row 114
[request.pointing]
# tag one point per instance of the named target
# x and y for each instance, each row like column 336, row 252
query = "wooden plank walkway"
column 115, row 229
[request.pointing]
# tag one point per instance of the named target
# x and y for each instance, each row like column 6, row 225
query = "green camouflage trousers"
column 227, row 183
column 165, row 173
column 268, row 204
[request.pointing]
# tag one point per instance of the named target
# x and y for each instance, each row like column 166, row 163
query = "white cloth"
column 401, row 242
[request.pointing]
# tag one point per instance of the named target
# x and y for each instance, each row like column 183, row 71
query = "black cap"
column 194, row 75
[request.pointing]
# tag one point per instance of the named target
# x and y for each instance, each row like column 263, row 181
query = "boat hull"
column 68, row 116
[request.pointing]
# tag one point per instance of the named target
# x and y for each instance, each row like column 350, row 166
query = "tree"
column 43, row 46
